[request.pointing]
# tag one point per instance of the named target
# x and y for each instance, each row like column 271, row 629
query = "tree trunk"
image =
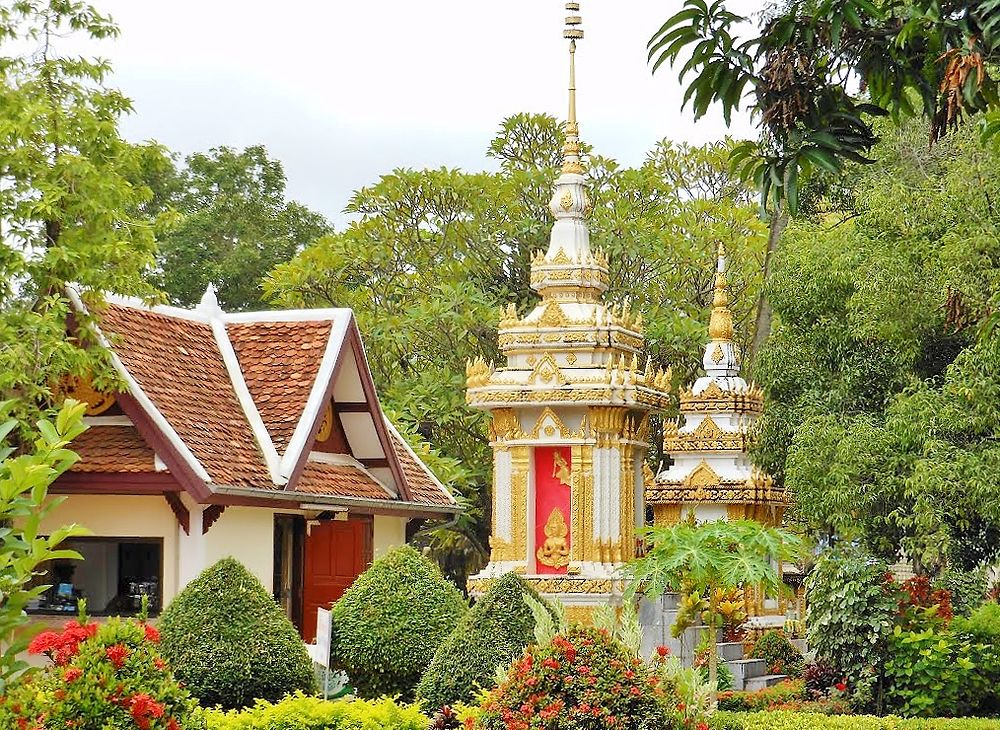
column 762, row 322
column 713, row 664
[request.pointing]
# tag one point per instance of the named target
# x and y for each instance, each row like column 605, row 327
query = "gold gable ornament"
column 81, row 388
column 326, row 425
column 554, row 552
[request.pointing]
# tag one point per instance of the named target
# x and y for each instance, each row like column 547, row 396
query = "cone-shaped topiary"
column 495, row 632
column 230, row 643
column 388, row 625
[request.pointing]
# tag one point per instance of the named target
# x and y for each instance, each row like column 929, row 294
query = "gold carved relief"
column 554, row 552
column 549, row 417
column 81, row 388
column 520, row 457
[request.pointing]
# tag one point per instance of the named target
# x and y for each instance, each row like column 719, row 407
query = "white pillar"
column 190, row 545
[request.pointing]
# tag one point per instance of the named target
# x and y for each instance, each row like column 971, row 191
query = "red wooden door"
column 336, row 553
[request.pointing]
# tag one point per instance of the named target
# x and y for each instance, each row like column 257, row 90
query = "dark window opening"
column 113, row 576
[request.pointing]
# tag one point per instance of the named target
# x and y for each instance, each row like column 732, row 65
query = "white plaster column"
column 190, row 545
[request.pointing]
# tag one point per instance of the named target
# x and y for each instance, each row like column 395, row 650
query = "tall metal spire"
column 571, row 150
column 720, row 327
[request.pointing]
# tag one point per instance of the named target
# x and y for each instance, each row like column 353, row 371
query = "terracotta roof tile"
column 340, row 480
column 280, row 361
column 423, row 488
column 178, row 365
column 112, row 449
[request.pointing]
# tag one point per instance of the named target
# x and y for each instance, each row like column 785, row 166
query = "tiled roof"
column 178, row 365
column 176, row 361
column 339, row 480
column 423, row 486
column 112, row 449
column 280, row 361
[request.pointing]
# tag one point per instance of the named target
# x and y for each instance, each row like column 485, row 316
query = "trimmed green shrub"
column 389, row 624
column 494, row 633
column 299, row 712
column 813, row 721
column 982, row 630
column 931, row 674
column 230, row 643
column 778, row 653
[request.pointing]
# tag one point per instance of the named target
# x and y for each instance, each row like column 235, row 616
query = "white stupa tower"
column 569, row 410
column 711, row 473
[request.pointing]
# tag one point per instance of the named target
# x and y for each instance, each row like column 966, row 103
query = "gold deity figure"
column 560, row 469
column 554, row 552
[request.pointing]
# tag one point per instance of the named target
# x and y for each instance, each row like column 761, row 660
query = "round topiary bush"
column 388, row 625
column 230, row 643
column 494, row 633
column 778, row 653
column 581, row 680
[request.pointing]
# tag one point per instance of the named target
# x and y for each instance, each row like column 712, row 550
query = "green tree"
column 434, row 255
column 802, row 63
column 235, row 226
column 882, row 417
column 706, row 561
column 24, row 503
column 70, row 210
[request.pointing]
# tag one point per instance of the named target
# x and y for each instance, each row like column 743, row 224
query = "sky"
column 342, row 92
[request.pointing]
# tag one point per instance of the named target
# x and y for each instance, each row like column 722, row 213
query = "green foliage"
column 982, row 630
column 110, row 676
column 24, row 503
column 779, row 654
column 852, row 602
column 803, row 65
column 68, row 192
column 492, row 634
column 967, row 588
column 931, row 674
column 423, row 240
column 391, row 621
column 786, row 695
column 688, row 686
column 301, row 712
column 813, row 721
column 235, row 226
column 882, row 401
column 230, row 643
column 582, row 679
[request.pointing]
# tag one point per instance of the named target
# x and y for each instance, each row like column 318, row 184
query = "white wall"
column 388, row 532
column 247, row 534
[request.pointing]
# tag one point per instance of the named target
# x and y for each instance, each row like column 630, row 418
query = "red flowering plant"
column 921, row 606
column 583, row 679
column 110, row 677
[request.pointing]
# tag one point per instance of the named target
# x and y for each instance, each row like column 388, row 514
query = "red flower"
column 116, row 655
column 702, row 726
column 73, row 674
column 663, row 651
column 551, row 663
column 172, row 725
column 840, row 686
column 143, row 707
column 152, row 634
column 681, row 706
column 159, row 663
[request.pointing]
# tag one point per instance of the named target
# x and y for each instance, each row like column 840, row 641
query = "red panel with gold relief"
column 552, row 508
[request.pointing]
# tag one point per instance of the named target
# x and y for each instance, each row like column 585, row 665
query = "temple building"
column 257, row 435
column 710, row 471
column 569, row 411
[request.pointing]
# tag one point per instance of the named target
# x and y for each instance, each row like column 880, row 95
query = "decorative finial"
column 209, row 304
column 720, row 327
column 571, row 150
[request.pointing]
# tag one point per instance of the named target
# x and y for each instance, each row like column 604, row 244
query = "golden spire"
column 720, row 327
column 571, row 150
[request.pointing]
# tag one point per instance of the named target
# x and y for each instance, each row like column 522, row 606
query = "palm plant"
column 704, row 562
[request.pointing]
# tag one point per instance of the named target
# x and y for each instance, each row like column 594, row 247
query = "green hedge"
column 299, row 712
column 230, row 643
column 388, row 625
column 492, row 634
column 813, row 721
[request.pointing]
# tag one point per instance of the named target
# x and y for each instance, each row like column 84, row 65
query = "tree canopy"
column 234, row 226
column 883, row 412
column 817, row 72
